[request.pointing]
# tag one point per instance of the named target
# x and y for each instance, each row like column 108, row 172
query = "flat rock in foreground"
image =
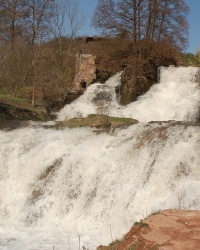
column 166, row 230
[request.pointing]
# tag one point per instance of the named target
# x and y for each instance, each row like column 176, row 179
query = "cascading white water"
column 59, row 187
column 96, row 96
column 176, row 97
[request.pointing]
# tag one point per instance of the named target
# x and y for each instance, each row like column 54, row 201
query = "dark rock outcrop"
column 72, row 95
column 10, row 112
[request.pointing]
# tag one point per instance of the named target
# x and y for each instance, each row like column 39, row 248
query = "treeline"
column 37, row 46
column 155, row 20
column 191, row 59
column 38, row 43
column 157, row 31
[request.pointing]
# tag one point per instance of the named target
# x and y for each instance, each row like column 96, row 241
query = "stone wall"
column 85, row 71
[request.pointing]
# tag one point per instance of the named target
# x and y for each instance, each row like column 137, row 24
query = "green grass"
column 141, row 224
column 115, row 242
column 8, row 99
column 154, row 213
column 95, row 120
column 20, row 109
column 18, row 102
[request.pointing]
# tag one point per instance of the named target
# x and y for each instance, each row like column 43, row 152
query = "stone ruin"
column 85, row 71
column 85, row 75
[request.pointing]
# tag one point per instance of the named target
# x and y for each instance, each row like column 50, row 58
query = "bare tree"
column 12, row 19
column 65, row 24
column 75, row 19
column 39, row 13
column 172, row 23
column 67, row 19
column 144, row 19
column 32, row 32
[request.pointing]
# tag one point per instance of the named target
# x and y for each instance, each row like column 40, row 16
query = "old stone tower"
column 85, row 75
column 85, row 71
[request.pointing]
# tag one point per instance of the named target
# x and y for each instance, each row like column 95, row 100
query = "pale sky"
column 88, row 7
column 194, row 22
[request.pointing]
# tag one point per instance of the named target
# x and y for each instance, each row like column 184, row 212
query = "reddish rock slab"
column 168, row 230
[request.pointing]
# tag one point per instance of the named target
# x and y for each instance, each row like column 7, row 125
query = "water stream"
column 61, row 189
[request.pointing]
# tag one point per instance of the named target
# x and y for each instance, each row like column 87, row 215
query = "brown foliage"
column 144, row 20
column 55, row 65
column 142, row 69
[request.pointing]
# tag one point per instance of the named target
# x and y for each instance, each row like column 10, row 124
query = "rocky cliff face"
column 143, row 68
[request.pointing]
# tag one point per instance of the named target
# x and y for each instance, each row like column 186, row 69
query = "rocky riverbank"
column 13, row 112
column 165, row 230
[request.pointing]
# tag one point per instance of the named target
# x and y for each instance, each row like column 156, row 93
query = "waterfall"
column 62, row 187
column 96, row 99
column 175, row 97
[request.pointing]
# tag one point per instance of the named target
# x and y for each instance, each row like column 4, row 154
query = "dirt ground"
column 166, row 230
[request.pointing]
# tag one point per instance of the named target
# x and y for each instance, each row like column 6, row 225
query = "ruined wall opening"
column 83, row 85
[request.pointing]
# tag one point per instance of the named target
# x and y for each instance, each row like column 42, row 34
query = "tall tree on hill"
column 12, row 20
column 39, row 13
column 67, row 20
column 23, row 23
column 144, row 19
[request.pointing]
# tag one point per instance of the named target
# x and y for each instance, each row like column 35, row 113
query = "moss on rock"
column 97, row 121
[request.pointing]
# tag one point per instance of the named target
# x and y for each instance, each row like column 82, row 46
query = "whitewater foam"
column 62, row 188
column 80, row 183
column 176, row 97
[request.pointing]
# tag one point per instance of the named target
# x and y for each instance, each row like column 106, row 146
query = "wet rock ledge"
column 12, row 112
